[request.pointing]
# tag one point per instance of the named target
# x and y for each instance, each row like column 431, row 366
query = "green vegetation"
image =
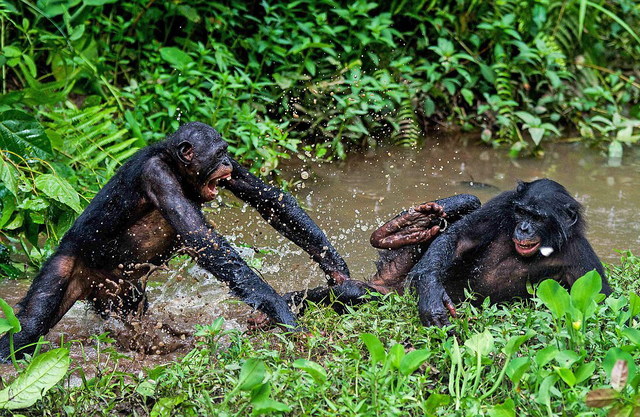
column 561, row 354
column 86, row 83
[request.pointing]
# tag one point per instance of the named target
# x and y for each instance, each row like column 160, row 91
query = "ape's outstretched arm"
column 211, row 250
column 282, row 212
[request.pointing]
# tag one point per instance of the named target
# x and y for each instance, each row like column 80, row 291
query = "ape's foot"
column 417, row 225
column 260, row 322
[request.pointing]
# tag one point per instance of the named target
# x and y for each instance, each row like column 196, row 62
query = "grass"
column 506, row 360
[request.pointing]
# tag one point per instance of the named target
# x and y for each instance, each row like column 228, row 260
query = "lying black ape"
column 530, row 234
column 149, row 210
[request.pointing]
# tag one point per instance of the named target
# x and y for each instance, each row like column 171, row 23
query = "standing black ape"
column 149, row 210
column 529, row 234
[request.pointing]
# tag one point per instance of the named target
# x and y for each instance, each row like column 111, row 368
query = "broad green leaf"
column 546, row 355
column 60, row 190
column 5, row 326
column 585, row 371
column 554, row 297
column 429, row 107
column 10, row 316
column 515, row 342
column 165, row 405
column 252, row 374
column 261, row 392
column 536, row 134
column 506, row 409
column 269, row 406
column 436, row 401
column 98, row 2
column 481, row 343
column 567, row 376
column 632, row 334
column 517, row 367
column 583, row 292
column 634, row 304
column 544, row 391
column 374, row 346
column 316, row 371
column 177, row 58
column 22, row 134
column 43, row 372
column 396, row 354
column 9, row 176
column 413, row 360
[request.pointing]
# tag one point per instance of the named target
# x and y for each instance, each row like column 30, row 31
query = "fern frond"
column 407, row 132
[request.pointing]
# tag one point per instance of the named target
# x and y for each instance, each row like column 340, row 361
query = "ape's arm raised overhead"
column 148, row 211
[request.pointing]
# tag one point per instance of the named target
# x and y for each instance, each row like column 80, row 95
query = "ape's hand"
column 435, row 306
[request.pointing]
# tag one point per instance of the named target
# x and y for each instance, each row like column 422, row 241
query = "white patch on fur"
column 546, row 250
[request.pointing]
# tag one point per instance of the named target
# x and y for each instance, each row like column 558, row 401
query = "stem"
column 12, row 352
column 498, row 381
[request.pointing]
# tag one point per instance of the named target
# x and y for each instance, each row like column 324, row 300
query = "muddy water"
column 349, row 200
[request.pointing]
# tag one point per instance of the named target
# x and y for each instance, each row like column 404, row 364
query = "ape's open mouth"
column 210, row 191
column 527, row 247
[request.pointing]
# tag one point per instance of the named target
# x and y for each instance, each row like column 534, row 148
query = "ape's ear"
column 522, row 186
column 185, row 152
column 572, row 214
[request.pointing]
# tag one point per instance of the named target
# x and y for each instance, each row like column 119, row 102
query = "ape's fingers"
column 446, row 301
column 429, row 208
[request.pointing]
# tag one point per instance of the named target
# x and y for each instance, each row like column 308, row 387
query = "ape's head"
column 202, row 158
column 545, row 217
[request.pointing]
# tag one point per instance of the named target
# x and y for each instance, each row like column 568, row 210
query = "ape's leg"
column 50, row 296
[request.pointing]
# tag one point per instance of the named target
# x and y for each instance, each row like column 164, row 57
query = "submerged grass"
column 506, row 360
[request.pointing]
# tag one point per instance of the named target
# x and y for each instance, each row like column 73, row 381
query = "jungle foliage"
column 85, row 83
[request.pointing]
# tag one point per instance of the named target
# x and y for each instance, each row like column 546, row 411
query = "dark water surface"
column 350, row 199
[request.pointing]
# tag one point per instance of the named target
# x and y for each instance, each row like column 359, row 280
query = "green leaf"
column 632, row 334
column 177, row 58
column 436, row 401
column 21, row 133
column 583, row 292
column 515, row 342
column 536, row 134
column 43, row 372
column 429, row 107
column 634, row 304
column 395, row 356
column 554, row 297
column 9, row 175
column 98, row 2
column 252, row 374
column 60, row 190
column 413, row 360
column 376, row 350
column 481, row 343
column 468, row 96
column 585, row 371
column 506, row 409
column 546, row 355
column 517, row 367
column 165, row 405
column 567, row 376
column 316, row 371
column 10, row 316
column 269, row 406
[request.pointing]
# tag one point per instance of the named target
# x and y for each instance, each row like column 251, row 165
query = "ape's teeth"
column 546, row 251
